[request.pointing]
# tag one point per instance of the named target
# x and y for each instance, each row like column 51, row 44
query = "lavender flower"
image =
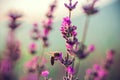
column 14, row 16
column 71, row 6
column 69, row 33
column 89, row 9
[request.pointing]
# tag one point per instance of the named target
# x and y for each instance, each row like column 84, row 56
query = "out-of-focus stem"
column 85, row 30
column 39, row 61
column 77, row 67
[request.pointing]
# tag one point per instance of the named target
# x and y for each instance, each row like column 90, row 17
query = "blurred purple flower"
column 47, row 24
column 89, row 9
column 109, row 59
column 32, row 64
column 32, row 48
column 110, row 54
column 14, row 16
column 91, row 48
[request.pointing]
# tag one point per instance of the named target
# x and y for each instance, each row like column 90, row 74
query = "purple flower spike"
column 48, row 23
column 89, row 9
column 69, row 33
column 71, row 6
column 45, row 73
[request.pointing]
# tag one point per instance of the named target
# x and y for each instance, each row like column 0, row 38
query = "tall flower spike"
column 71, row 6
column 69, row 33
column 47, row 23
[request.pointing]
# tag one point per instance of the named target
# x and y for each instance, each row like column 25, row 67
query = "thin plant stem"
column 85, row 30
column 69, row 14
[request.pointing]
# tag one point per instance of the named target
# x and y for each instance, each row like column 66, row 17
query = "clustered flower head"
column 90, row 9
column 69, row 33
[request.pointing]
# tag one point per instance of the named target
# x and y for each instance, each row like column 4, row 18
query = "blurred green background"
column 103, row 32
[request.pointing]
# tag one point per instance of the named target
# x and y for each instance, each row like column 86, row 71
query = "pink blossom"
column 45, row 73
column 91, row 48
column 70, row 70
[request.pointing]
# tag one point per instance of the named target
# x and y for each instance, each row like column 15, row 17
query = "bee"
column 55, row 56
